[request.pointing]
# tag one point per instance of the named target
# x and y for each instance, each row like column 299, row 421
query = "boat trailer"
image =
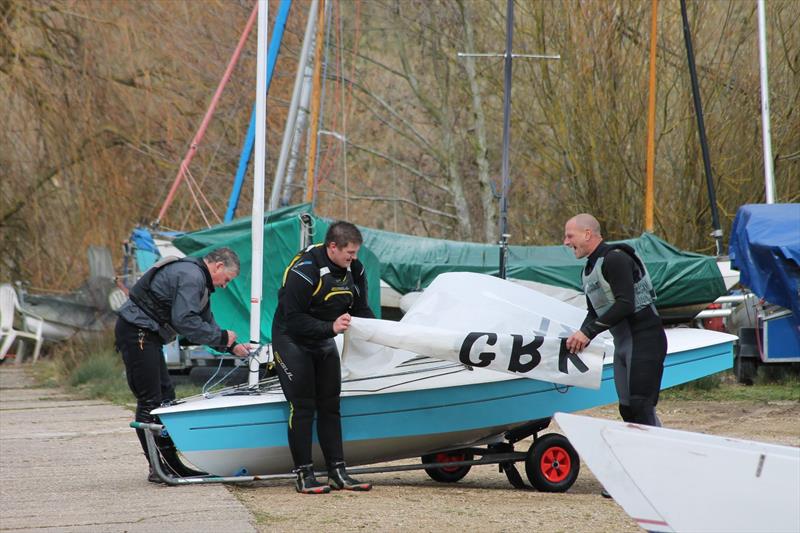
column 551, row 463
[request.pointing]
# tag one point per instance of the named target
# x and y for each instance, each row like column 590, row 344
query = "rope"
column 191, row 177
column 189, row 183
column 209, row 385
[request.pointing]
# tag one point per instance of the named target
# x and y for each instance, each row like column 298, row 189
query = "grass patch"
column 185, row 390
column 92, row 368
column 723, row 387
column 102, row 376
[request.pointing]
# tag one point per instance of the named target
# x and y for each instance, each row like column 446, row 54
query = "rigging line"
column 190, row 185
column 198, row 192
column 203, row 196
column 315, row 104
column 326, row 40
column 356, row 38
column 331, row 150
column 218, row 145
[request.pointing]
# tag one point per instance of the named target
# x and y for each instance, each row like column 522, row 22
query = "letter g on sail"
column 484, row 358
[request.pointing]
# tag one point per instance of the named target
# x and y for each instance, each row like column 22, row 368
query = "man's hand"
column 231, row 337
column 243, row 350
column 577, row 342
column 342, row 323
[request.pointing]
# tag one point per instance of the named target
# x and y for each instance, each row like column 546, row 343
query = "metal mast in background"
column 701, row 129
column 506, row 180
column 769, row 178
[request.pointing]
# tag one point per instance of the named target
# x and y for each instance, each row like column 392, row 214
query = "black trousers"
column 143, row 355
column 311, row 378
column 638, row 368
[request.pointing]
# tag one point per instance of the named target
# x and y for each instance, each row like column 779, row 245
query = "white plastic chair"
column 9, row 304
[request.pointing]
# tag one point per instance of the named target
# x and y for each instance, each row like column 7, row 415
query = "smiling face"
column 220, row 276
column 343, row 256
column 581, row 239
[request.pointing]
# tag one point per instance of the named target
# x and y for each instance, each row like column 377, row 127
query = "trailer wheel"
column 447, row 474
column 552, row 464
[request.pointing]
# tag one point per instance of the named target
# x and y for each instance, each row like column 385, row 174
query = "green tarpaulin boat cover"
column 282, row 240
column 409, row 263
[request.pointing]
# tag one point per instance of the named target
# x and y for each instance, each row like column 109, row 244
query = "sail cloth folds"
column 486, row 323
column 530, row 356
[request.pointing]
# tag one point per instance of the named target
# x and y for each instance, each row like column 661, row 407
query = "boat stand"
column 551, row 464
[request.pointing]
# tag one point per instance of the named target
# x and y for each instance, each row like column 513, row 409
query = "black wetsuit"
column 314, row 294
column 639, row 338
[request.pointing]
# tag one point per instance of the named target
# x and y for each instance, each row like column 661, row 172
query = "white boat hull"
column 669, row 480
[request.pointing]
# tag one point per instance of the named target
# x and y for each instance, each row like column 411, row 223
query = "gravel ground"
column 484, row 500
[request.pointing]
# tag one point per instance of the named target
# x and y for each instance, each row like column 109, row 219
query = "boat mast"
column 184, row 167
column 701, row 127
column 247, row 147
column 257, row 223
column 508, row 57
column 769, row 178
column 504, row 235
column 315, row 103
column 291, row 132
column 649, row 192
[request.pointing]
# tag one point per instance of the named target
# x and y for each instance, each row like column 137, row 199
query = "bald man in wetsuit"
column 620, row 298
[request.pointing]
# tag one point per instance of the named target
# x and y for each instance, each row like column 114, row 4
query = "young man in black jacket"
column 322, row 288
column 171, row 298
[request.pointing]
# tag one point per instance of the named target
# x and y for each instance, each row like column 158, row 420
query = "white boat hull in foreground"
column 669, row 480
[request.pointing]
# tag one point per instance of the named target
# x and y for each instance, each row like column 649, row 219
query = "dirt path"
column 485, row 501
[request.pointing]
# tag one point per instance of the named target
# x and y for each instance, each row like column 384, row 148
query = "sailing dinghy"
column 399, row 404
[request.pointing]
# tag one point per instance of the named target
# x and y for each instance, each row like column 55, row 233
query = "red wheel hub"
column 555, row 464
column 449, row 458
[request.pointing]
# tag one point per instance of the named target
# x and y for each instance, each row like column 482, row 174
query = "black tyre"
column 447, row 474
column 552, row 464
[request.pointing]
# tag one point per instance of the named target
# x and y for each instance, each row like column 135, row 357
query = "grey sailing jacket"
column 181, row 290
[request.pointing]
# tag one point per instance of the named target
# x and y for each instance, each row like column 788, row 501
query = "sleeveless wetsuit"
column 619, row 298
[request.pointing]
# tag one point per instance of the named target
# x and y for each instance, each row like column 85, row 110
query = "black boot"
column 307, row 483
column 338, row 479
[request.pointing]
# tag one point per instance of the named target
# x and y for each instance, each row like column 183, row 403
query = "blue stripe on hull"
column 427, row 411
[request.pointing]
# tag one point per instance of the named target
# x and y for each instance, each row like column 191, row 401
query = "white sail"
column 483, row 322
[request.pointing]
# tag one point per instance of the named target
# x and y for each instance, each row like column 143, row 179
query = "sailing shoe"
column 307, row 483
column 338, row 479
column 604, row 493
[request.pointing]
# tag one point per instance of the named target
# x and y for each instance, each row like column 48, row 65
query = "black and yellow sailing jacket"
column 315, row 292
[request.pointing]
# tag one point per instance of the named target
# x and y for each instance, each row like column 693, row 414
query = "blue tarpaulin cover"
column 765, row 249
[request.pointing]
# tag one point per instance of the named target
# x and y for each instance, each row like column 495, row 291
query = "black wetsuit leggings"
column 311, row 379
column 143, row 355
column 638, row 367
